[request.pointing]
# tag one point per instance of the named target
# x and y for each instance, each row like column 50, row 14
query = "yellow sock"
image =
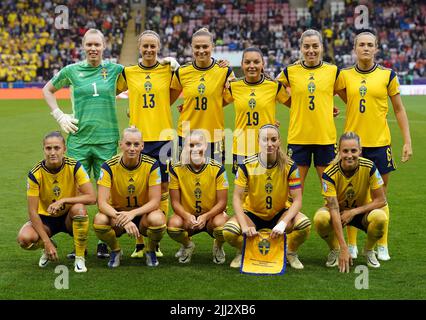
column 155, row 234
column 324, row 228
column 164, row 204
column 107, row 235
column 180, row 235
column 377, row 221
column 140, row 240
column 232, row 234
column 218, row 235
column 300, row 233
column 80, row 229
column 383, row 241
column 352, row 235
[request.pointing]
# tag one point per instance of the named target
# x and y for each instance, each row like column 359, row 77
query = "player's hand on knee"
column 132, row 230
column 67, row 121
column 123, row 218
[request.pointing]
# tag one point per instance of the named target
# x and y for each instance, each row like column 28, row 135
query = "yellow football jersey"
column 311, row 112
column 149, row 100
column 367, row 106
column 129, row 187
column 255, row 106
column 203, row 98
column 198, row 189
column 354, row 191
column 53, row 186
column 268, row 189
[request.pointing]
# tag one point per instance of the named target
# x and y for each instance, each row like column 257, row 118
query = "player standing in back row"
column 202, row 82
column 368, row 87
column 313, row 83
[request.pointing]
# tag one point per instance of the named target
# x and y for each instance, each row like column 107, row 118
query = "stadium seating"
column 33, row 49
column 275, row 27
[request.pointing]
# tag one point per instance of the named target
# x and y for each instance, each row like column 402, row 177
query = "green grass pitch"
column 22, row 126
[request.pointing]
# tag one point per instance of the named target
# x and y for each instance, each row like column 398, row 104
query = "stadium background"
column 32, row 50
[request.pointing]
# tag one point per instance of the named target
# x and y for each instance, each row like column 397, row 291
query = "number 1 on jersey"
column 95, row 90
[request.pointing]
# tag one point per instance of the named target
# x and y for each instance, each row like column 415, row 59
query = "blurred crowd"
column 275, row 27
column 32, row 48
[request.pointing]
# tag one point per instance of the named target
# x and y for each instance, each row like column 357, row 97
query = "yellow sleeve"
column 328, row 187
column 222, row 180
column 393, row 87
column 121, row 83
column 339, row 84
column 376, row 180
column 81, row 175
column 282, row 78
column 174, row 181
column 105, row 176
column 282, row 94
column 227, row 95
column 241, row 177
column 155, row 175
column 33, row 189
column 175, row 84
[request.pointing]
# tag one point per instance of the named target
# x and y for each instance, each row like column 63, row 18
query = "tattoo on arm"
column 332, row 203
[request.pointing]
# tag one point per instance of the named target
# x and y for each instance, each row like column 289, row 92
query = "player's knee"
column 26, row 241
column 156, row 218
column 101, row 219
column 78, row 209
column 379, row 218
column 175, row 222
column 322, row 219
column 231, row 232
column 302, row 223
column 219, row 220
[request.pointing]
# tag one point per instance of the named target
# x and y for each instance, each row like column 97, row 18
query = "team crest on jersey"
column 264, row 246
column 104, row 73
column 201, row 88
column 148, row 86
column 197, row 193
column 131, row 189
column 311, row 87
column 350, row 194
column 252, row 103
column 56, row 191
column 362, row 90
column 268, row 188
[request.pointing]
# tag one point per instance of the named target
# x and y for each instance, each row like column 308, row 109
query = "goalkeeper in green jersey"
column 92, row 126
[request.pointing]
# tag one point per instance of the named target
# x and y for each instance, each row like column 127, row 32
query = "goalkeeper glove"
column 172, row 61
column 66, row 121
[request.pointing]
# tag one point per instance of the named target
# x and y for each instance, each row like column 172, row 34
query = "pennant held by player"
column 263, row 255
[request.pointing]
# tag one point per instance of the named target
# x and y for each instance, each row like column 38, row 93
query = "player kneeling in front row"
column 269, row 179
column 198, row 190
column 129, row 194
column 353, row 189
column 53, row 203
